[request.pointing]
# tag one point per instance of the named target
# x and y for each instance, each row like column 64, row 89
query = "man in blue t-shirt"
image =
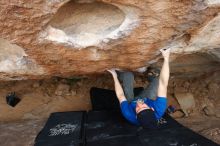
column 144, row 109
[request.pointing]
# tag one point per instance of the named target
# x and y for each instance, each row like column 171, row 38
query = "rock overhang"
column 142, row 28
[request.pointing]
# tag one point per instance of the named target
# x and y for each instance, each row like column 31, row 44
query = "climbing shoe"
column 152, row 73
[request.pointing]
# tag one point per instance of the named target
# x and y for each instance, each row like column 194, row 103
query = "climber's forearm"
column 164, row 78
column 118, row 89
column 165, row 72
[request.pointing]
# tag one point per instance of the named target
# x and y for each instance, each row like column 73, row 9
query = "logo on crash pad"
column 62, row 129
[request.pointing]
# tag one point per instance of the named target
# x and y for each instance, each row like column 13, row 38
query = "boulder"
column 209, row 111
column 177, row 114
column 82, row 37
column 186, row 101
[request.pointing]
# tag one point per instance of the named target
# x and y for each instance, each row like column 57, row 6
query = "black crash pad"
column 117, row 141
column 107, row 124
column 104, row 99
column 109, row 128
column 62, row 129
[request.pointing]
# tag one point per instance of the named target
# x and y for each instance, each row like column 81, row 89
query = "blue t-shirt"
column 128, row 109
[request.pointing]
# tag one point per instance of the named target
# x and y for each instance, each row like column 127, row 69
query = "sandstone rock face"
column 80, row 37
column 186, row 101
column 209, row 111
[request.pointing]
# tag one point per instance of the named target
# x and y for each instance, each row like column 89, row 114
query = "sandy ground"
column 206, row 126
column 20, row 133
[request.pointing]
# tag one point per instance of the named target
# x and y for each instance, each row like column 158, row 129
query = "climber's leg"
column 127, row 82
column 151, row 90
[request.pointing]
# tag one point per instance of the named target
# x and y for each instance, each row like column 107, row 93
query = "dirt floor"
column 19, row 125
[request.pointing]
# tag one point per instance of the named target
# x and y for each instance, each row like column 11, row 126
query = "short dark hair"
column 147, row 119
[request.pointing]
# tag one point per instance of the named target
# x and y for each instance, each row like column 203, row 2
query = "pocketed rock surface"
column 64, row 38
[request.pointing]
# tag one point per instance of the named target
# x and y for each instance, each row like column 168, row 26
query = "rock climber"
column 144, row 109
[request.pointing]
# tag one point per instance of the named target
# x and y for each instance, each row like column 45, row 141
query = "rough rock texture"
column 117, row 33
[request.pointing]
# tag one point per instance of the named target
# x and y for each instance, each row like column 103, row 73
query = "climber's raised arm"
column 164, row 74
column 119, row 91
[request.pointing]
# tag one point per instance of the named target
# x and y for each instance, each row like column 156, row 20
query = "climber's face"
column 140, row 106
